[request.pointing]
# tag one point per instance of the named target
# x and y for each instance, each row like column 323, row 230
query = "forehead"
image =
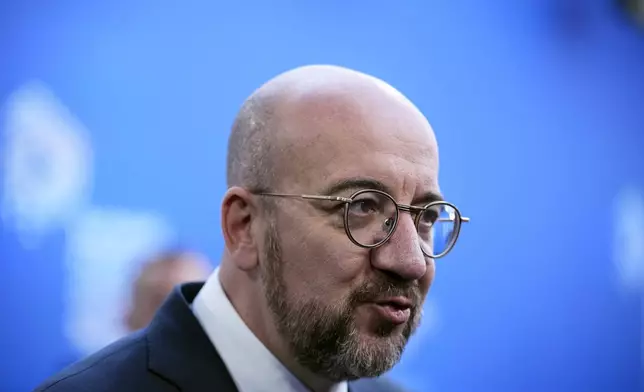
column 382, row 137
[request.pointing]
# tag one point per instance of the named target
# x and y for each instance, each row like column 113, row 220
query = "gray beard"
column 323, row 337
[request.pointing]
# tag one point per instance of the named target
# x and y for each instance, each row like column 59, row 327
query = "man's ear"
column 237, row 214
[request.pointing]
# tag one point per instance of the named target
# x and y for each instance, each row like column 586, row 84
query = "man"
column 332, row 221
column 156, row 279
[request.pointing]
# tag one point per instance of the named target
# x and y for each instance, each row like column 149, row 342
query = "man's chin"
column 363, row 353
column 378, row 354
column 392, row 341
column 386, row 343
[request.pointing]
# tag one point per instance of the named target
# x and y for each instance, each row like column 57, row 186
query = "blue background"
column 538, row 107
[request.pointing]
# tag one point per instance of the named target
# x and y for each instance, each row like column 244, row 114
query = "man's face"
column 325, row 336
column 325, row 292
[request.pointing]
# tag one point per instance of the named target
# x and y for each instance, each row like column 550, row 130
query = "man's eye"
column 428, row 217
column 363, row 207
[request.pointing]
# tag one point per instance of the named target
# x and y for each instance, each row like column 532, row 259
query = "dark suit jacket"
column 172, row 354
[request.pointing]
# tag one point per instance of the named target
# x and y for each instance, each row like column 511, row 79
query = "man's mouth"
column 395, row 309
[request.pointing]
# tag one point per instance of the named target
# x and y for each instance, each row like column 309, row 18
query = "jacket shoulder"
column 121, row 366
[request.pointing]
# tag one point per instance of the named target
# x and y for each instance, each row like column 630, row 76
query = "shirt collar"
column 237, row 345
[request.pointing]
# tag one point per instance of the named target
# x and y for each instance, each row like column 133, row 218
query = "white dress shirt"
column 252, row 366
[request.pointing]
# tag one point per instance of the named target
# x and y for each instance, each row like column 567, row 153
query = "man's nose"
column 401, row 255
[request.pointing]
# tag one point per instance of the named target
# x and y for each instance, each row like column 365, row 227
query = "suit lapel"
column 179, row 349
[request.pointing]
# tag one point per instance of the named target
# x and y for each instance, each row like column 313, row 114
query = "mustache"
column 382, row 287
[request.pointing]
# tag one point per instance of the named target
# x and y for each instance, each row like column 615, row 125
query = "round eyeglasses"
column 371, row 217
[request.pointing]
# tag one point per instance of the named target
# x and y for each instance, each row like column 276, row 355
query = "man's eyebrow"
column 428, row 197
column 358, row 183
column 355, row 184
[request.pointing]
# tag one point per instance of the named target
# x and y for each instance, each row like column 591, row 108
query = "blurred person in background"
column 157, row 278
column 332, row 223
column 152, row 283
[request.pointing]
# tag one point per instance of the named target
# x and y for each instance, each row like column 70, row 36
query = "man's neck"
column 250, row 303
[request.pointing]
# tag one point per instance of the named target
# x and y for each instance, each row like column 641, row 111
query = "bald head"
column 283, row 114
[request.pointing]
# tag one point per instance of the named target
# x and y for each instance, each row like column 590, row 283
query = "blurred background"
column 113, row 123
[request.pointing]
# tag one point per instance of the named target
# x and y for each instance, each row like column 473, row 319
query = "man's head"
column 339, row 310
column 157, row 278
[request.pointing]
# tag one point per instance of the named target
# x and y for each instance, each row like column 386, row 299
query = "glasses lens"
column 437, row 229
column 371, row 217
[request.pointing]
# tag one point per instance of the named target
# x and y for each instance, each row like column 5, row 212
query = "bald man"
column 332, row 223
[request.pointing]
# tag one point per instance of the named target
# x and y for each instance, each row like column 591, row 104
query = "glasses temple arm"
column 463, row 219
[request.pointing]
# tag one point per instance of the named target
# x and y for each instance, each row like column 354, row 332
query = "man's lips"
column 398, row 302
column 395, row 309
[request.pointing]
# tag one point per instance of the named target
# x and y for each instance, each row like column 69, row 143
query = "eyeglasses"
column 371, row 216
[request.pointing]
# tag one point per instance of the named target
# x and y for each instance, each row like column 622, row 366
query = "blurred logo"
column 47, row 175
column 47, row 160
